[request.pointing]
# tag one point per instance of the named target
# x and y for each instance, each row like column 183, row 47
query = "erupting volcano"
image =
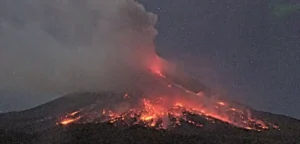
column 99, row 58
column 161, row 103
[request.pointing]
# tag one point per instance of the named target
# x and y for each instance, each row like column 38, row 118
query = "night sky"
column 245, row 50
column 248, row 51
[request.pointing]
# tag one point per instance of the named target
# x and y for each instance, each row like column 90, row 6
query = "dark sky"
column 247, row 50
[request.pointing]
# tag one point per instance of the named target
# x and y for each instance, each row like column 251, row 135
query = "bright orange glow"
column 152, row 112
column 221, row 103
column 74, row 113
column 162, row 111
column 68, row 121
column 248, row 128
column 179, row 105
column 147, row 118
column 233, row 109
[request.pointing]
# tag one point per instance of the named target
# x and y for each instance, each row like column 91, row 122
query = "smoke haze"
column 73, row 45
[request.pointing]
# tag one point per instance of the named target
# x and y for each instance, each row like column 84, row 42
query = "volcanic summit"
column 162, row 103
column 102, row 54
column 167, row 111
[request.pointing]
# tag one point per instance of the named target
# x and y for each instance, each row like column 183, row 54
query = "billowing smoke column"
column 74, row 45
column 61, row 46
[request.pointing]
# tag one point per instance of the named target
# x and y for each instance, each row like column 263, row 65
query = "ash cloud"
column 63, row 46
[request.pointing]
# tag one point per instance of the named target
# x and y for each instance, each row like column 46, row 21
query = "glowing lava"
column 67, row 120
column 154, row 114
column 177, row 106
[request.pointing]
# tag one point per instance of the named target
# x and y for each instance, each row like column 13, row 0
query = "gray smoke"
column 73, row 45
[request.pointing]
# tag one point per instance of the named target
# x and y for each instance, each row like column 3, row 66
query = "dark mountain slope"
column 46, row 131
column 39, row 124
column 105, row 133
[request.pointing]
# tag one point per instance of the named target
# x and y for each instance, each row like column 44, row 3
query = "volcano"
column 103, row 55
column 162, row 108
column 163, row 103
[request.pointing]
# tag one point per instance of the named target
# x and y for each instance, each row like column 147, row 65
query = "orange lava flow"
column 69, row 121
column 163, row 112
column 154, row 114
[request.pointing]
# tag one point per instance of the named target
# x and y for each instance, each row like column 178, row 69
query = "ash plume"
column 73, row 45
column 67, row 46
